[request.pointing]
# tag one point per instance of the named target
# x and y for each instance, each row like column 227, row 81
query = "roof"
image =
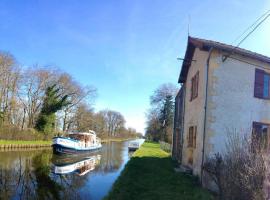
column 84, row 133
column 203, row 44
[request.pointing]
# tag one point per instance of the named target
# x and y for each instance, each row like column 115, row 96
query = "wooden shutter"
column 268, row 87
column 257, row 129
column 258, row 85
column 190, row 136
column 194, row 86
column 268, row 137
column 256, row 136
column 194, row 136
column 197, row 84
column 192, row 89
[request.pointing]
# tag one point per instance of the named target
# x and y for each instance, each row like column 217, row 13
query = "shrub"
column 165, row 146
column 239, row 172
column 9, row 132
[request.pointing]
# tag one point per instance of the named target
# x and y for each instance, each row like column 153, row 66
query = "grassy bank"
column 150, row 175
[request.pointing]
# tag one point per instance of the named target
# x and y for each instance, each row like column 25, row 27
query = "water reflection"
column 38, row 174
column 79, row 165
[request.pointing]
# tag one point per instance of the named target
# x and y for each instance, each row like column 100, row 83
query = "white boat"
column 76, row 143
column 133, row 146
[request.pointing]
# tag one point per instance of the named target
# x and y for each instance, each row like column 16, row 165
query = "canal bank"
column 150, row 175
column 16, row 144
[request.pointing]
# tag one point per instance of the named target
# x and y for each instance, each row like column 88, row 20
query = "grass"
column 4, row 142
column 150, row 175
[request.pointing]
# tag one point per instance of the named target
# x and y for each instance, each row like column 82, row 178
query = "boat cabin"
column 89, row 139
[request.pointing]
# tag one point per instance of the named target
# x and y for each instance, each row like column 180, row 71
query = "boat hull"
column 59, row 149
column 132, row 148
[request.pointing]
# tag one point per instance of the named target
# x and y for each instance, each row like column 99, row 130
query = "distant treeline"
column 38, row 102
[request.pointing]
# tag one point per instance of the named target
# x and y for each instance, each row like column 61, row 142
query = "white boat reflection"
column 80, row 167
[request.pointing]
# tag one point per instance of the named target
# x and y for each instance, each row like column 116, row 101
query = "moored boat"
column 76, row 143
column 133, row 146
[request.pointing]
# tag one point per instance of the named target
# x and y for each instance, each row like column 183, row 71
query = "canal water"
column 38, row 174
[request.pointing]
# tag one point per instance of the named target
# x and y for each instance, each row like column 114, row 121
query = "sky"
column 125, row 48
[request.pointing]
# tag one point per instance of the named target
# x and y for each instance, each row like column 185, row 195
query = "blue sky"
column 125, row 48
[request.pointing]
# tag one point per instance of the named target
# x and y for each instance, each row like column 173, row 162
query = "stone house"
column 222, row 88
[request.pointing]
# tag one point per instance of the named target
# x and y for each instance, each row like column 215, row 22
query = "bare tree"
column 77, row 95
column 114, row 121
column 84, row 118
column 34, row 83
column 100, row 123
column 9, row 77
column 160, row 94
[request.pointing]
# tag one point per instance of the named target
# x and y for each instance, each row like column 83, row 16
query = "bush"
column 239, row 172
column 165, row 146
column 8, row 132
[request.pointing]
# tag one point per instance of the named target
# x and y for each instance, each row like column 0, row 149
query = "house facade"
column 223, row 89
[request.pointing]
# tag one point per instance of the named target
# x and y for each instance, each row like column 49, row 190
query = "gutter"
column 205, row 109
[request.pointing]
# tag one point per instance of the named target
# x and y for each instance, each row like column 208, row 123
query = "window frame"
column 259, row 84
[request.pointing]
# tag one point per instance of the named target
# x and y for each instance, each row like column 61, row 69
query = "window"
column 192, row 134
column 261, row 86
column 260, row 136
column 194, row 86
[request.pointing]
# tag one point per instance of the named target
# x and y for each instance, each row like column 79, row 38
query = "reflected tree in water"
column 17, row 182
column 111, row 159
column 46, row 187
column 28, row 178
column 6, row 185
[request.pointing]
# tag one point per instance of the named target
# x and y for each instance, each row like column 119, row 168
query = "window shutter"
column 258, row 85
column 197, row 83
column 194, row 136
column 256, row 135
column 268, row 137
column 194, row 86
column 268, row 86
column 191, row 89
column 257, row 128
column 190, row 136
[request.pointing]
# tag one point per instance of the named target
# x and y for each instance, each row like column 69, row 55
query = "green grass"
column 4, row 142
column 150, row 175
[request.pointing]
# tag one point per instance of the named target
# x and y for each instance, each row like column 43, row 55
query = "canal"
column 33, row 174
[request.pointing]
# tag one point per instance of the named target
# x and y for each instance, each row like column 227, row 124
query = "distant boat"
column 79, row 167
column 76, row 143
column 133, row 146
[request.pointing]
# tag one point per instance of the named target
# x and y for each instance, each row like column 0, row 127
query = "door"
column 192, row 134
